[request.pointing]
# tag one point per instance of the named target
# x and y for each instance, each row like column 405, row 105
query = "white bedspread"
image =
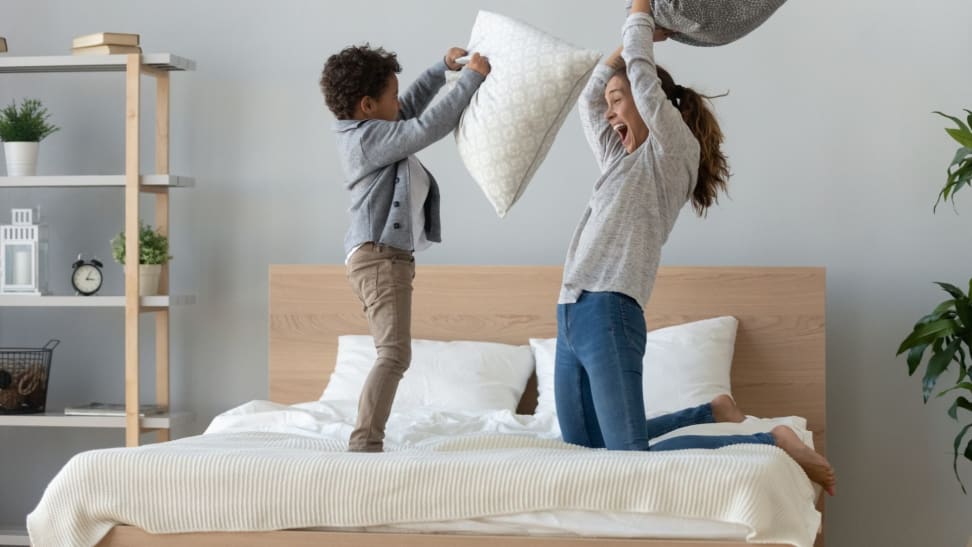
column 264, row 466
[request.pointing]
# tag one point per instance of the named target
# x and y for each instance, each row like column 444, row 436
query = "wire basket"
column 24, row 373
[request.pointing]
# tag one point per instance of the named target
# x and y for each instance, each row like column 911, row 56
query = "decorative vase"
column 148, row 279
column 21, row 158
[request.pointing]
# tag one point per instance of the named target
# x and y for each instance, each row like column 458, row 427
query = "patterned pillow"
column 512, row 121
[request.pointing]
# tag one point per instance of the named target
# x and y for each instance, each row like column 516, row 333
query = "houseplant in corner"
column 946, row 333
column 153, row 249
column 21, row 130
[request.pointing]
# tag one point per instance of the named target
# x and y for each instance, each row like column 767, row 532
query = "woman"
column 658, row 146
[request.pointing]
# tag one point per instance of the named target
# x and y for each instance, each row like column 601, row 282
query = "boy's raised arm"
column 384, row 142
column 419, row 95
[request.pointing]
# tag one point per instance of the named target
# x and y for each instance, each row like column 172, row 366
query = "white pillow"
column 508, row 128
column 470, row 376
column 685, row 365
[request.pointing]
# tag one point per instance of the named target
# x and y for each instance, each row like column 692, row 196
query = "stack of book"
column 3, row 44
column 111, row 409
column 106, row 43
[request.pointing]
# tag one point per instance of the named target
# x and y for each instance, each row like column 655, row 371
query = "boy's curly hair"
column 354, row 73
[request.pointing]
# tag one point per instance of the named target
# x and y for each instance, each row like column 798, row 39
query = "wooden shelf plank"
column 58, row 419
column 91, row 63
column 13, row 534
column 27, row 301
column 95, row 181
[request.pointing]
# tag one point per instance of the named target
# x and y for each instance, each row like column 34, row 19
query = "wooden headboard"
column 778, row 368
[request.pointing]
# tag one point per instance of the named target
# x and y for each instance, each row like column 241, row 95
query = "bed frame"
column 778, row 366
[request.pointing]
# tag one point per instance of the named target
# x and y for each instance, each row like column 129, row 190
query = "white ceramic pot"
column 21, row 158
column 148, row 279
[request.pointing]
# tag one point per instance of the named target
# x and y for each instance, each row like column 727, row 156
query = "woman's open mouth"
column 622, row 130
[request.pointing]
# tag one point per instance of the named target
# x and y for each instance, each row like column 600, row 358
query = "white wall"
column 836, row 160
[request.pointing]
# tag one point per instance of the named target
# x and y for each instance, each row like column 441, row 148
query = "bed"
column 778, row 365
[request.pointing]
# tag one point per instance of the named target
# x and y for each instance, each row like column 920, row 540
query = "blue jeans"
column 598, row 386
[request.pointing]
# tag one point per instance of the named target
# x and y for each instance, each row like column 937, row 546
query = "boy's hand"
column 451, row 56
column 480, row 64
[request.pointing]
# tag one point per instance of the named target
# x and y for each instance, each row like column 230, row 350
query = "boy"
column 394, row 199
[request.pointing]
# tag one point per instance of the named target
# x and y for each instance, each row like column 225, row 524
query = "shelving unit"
column 134, row 183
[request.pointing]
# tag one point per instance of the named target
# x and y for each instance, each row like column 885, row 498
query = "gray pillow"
column 712, row 22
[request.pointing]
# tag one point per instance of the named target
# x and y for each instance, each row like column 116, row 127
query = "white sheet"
column 440, row 467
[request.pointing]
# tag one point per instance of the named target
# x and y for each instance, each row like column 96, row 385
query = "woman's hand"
column 615, row 61
column 642, row 6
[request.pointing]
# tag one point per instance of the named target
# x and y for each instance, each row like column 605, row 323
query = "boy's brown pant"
column 381, row 277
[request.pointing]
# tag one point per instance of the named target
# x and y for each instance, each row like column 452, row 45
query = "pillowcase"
column 511, row 122
column 711, row 22
column 466, row 376
column 685, row 366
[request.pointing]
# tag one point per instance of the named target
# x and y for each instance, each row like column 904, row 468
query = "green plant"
column 153, row 247
column 946, row 333
column 960, row 170
column 25, row 124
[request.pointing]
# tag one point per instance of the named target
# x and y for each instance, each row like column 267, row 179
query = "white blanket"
column 267, row 467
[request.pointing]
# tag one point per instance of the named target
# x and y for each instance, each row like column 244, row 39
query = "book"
column 105, row 38
column 105, row 50
column 3, row 44
column 111, row 409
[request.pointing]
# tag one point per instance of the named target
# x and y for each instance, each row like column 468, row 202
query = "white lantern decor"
column 21, row 260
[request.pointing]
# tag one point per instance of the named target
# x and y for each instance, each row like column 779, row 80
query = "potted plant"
column 21, row 130
column 153, row 249
column 946, row 333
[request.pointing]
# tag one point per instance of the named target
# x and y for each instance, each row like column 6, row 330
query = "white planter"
column 21, row 158
column 148, row 279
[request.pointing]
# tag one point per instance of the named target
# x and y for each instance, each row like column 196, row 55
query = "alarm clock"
column 86, row 277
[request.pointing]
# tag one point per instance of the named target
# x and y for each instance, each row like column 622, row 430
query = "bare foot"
column 814, row 465
column 724, row 409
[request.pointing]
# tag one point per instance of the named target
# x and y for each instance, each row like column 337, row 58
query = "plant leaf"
column 960, row 156
column 961, row 402
column 962, row 137
column 927, row 333
column 936, row 366
column 964, row 385
column 963, row 369
column 942, row 308
column 958, row 442
column 954, row 291
column 957, row 121
column 914, row 358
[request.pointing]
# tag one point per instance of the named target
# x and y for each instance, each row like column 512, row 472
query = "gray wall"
column 836, row 157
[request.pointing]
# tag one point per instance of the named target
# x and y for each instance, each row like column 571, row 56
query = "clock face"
column 86, row 279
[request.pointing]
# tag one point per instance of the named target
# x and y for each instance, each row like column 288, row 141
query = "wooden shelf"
column 95, row 181
column 58, row 419
column 91, row 63
column 27, row 301
column 12, row 534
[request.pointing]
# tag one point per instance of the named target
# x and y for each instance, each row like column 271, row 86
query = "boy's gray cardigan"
column 374, row 156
